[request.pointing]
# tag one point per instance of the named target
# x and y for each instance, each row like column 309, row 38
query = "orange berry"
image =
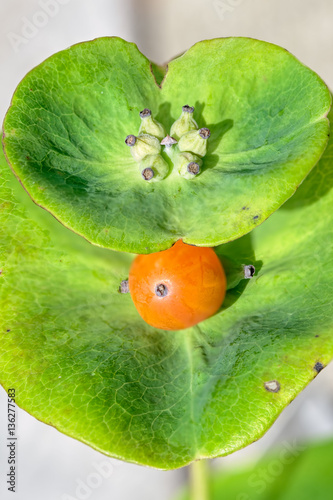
column 179, row 287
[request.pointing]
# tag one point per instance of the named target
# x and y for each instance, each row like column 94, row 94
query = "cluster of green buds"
column 185, row 146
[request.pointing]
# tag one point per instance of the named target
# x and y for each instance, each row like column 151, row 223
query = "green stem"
column 199, row 480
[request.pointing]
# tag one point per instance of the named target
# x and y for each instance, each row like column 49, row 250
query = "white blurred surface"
column 50, row 464
column 72, row 22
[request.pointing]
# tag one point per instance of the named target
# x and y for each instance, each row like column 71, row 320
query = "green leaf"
column 291, row 472
column 81, row 358
column 65, row 130
column 159, row 72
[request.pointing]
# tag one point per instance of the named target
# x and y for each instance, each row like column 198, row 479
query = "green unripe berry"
column 143, row 145
column 150, row 126
column 154, row 168
column 188, row 165
column 185, row 123
column 195, row 141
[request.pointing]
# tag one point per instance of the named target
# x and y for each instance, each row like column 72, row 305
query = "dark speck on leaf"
column 272, row 386
column 316, row 336
column 124, row 287
column 318, row 366
column 8, row 331
column 256, row 217
column 249, row 271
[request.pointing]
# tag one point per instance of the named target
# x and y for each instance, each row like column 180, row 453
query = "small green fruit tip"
column 150, row 126
column 145, row 113
column 185, row 123
column 130, row 140
column 143, row 145
column 188, row 109
column 147, row 174
column 195, row 141
column 204, row 133
column 193, row 168
column 156, row 164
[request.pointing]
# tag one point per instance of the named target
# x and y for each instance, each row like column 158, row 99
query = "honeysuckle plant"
column 127, row 158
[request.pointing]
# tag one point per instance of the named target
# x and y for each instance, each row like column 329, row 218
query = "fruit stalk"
column 199, row 480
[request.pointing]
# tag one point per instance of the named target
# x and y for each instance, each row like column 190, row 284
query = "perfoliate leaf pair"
column 75, row 349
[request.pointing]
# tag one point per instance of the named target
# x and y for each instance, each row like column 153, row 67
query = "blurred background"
column 52, row 465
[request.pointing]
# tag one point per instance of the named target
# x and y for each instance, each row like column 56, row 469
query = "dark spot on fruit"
column 249, row 271
column 272, row 386
column 161, row 290
column 318, row 366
